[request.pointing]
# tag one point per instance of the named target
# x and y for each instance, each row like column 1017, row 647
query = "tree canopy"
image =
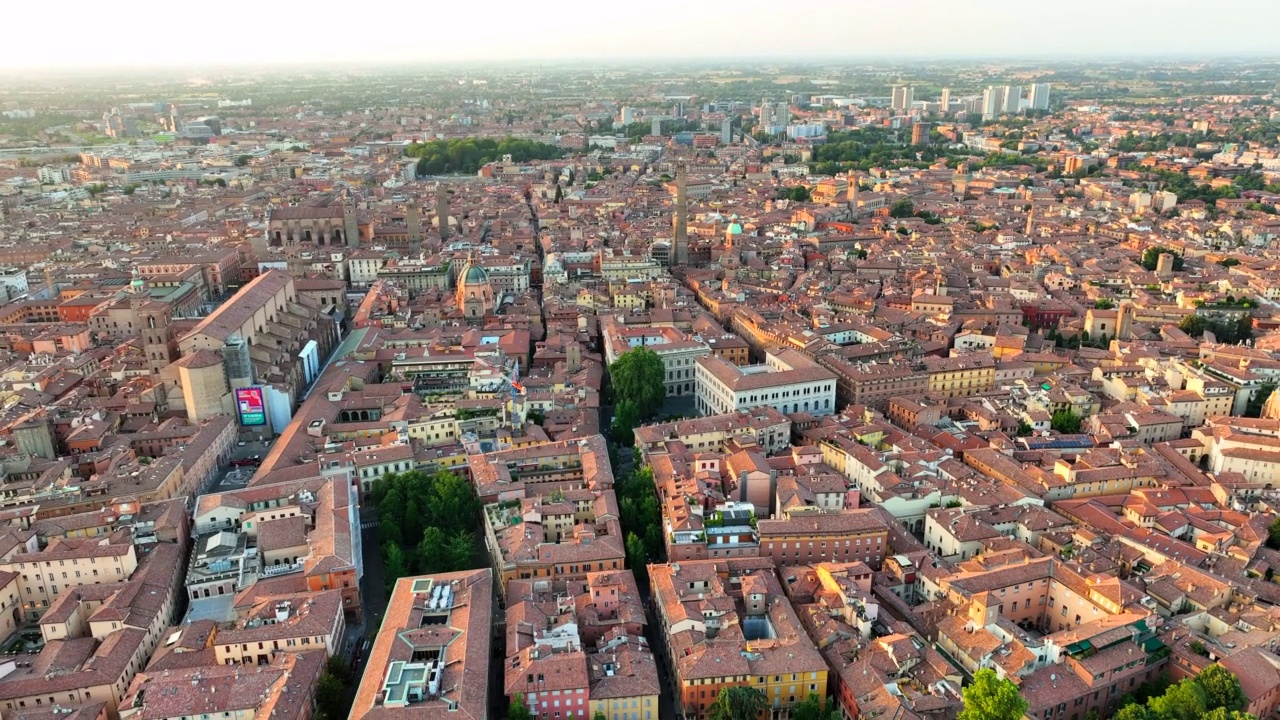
column 1151, row 257
column 641, row 519
column 738, row 703
column 1221, row 688
column 799, row 193
column 467, row 155
column 425, row 523
column 1215, row 693
column 518, row 710
column 1225, row 330
column 1065, row 421
column 990, row 698
column 639, row 378
column 815, row 708
column 902, row 209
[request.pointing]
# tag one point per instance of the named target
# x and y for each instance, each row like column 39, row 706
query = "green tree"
column 1258, row 399
column 1221, row 688
column 454, row 500
column 1273, row 534
column 639, row 377
column 338, row 667
column 738, row 703
column 1103, row 304
column 798, row 193
column 1065, row 421
column 432, row 551
column 1182, row 701
column 599, row 716
column 1242, row 329
column 1024, row 428
column 461, row 550
column 637, row 556
column 395, row 565
column 1225, row 714
column 242, row 160
column 815, row 708
column 518, row 710
column 625, row 418
column 1151, row 257
column 467, row 155
column 1132, row 711
column 1193, row 325
column 902, row 209
column 330, row 696
column 990, row 698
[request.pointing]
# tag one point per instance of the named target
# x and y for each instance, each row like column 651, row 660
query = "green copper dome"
column 474, row 274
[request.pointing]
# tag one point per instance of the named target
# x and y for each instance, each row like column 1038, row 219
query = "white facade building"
column 788, row 382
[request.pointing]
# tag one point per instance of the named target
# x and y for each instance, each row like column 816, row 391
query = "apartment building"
column 728, row 623
column 847, row 536
column 770, row 429
column 788, row 382
column 44, row 575
column 563, row 535
column 308, row 527
column 227, row 691
column 678, row 350
column 431, row 655
column 97, row 638
column 578, row 648
column 874, row 384
column 274, row 624
column 961, row 376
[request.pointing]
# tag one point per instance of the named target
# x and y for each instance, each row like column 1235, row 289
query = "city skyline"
column 664, row 29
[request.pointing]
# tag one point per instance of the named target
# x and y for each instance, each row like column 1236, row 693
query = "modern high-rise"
column 903, row 96
column 920, row 133
column 726, row 131
column 944, row 104
column 766, row 113
column 656, row 128
column 782, row 114
column 1012, row 98
column 1040, row 96
column 628, row 115
column 992, row 102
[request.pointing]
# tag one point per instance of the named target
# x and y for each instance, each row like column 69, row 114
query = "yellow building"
column 784, row 664
column 67, row 563
column 961, row 376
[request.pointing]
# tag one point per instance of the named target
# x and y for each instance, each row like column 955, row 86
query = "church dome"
column 474, row 274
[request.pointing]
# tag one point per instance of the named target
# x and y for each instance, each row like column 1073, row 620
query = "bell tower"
column 350, row 224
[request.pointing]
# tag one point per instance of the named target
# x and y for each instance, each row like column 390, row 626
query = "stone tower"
column 413, row 219
column 853, row 194
column 1124, row 321
column 1031, row 221
column 442, row 212
column 350, row 225
column 682, row 215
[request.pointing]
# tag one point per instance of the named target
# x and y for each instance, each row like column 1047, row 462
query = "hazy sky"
column 257, row 32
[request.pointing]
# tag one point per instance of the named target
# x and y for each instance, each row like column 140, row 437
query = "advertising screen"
column 250, row 406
